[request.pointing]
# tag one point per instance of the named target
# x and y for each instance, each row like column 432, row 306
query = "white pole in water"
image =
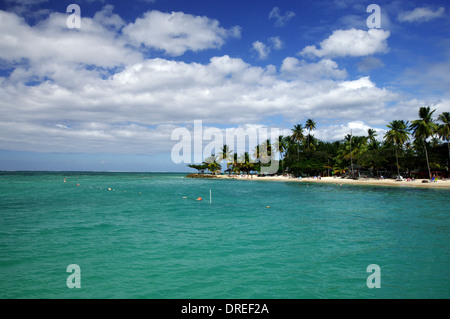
column 210, row 197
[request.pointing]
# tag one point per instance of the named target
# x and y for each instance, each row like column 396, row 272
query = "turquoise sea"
column 133, row 235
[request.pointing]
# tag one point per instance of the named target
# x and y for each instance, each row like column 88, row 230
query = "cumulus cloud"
column 293, row 68
column 177, row 32
column 421, row 14
column 88, row 90
column 106, row 114
column 351, row 42
column 52, row 40
column 107, row 18
column 261, row 49
column 280, row 19
column 336, row 132
column 276, row 43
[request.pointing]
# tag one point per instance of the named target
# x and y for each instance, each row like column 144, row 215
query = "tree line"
column 407, row 148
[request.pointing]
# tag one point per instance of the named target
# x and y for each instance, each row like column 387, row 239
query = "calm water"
column 142, row 239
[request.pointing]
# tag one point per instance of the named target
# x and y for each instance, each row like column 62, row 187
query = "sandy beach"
column 338, row 181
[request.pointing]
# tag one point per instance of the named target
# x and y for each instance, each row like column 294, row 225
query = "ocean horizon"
column 145, row 235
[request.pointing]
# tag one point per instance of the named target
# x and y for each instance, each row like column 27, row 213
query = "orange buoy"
column 199, row 198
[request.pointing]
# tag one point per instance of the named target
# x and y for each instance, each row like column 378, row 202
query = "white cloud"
column 336, row 132
column 117, row 114
column 351, row 42
column 421, row 14
column 88, row 91
column 280, row 20
column 51, row 40
column 107, row 18
column 326, row 68
column 261, row 49
column 276, row 42
column 177, row 32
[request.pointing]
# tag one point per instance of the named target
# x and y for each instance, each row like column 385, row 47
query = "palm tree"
column 245, row 164
column 423, row 128
column 225, row 154
column 298, row 137
column 371, row 134
column 265, row 151
column 310, row 125
column 373, row 143
column 281, row 146
column 444, row 130
column 257, row 152
column 398, row 134
column 353, row 148
column 212, row 165
column 235, row 166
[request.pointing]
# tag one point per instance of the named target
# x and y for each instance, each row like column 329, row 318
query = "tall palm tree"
column 310, row 125
column 423, row 128
column 245, row 163
column 353, row 148
column 281, row 146
column 235, row 166
column 257, row 153
column 371, row 134
column 398, row 135
column 225, row 154
column 266, row 151
column 444, row 130
column 373, row 143
column 298, row 137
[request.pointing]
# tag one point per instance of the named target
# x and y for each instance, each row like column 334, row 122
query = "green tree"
column 225, row 154
column 199, row 167
column 352, row 149
column 281, row 147
column 444, row 131
column 371, row 134
column 244, row 163
column 310, row 125
column 265, row 151
column 398, row 135
column 212, row 164
column 298, row 137
column 423, row 128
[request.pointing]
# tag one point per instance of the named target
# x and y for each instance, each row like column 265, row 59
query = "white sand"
column 339, row 181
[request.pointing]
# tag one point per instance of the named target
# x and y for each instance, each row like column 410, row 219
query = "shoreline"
column 338, row 181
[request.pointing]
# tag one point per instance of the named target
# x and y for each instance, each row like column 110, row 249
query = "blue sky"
column 107, row 96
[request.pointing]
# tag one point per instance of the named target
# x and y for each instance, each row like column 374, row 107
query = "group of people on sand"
column 318, row 177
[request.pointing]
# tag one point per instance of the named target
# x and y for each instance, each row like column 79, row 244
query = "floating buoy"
column 109, row 188
column 199, row 198
column 78, row 184
column 184, row 197
column 268, row 206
